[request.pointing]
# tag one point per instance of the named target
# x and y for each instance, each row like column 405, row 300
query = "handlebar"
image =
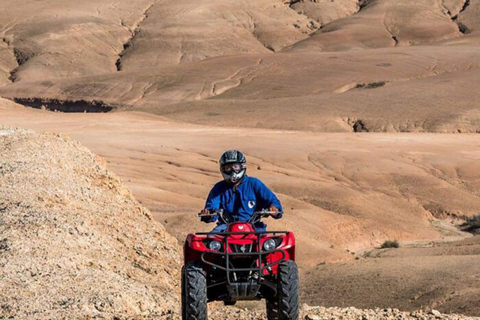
column 267, row 213
column 256, row 215
column 213, row 213
column 201, row 215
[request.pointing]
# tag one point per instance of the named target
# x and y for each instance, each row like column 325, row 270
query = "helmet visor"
column 232, row 167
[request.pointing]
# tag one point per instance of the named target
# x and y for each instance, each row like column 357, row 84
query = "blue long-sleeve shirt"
column 250, row 195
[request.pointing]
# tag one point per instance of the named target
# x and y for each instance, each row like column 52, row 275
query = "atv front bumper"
column 225, row 260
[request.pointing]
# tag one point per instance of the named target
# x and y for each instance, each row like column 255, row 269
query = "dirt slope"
column 74, row 241
column 385, row 23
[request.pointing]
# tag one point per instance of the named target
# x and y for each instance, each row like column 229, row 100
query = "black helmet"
column 233, row 166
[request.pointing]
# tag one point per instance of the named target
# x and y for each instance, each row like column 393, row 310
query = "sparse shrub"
column 371, row 85
column 472, row 223
column 390, row 244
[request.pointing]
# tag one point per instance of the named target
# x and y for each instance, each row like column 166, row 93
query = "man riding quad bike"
column 239, row 259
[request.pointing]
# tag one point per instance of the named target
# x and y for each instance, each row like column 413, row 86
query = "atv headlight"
column 215, row 245
column 269, row 244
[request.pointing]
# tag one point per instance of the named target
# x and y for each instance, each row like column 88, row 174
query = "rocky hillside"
column 74, row 243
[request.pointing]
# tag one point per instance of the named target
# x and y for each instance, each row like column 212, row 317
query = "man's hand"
column 274, row 211
column 206, row 219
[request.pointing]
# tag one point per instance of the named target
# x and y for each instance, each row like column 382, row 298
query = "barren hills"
column 393, row 66
column 351, row 192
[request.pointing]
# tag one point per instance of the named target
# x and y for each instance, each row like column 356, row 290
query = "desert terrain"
column 76, row 243
column 344, row 193
column 363, row 116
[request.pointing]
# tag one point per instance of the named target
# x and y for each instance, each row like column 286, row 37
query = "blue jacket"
column 251, row 195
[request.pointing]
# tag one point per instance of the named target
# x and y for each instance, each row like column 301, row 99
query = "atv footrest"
column 243, row 290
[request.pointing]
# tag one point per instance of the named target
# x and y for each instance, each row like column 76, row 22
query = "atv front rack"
column 260, row 253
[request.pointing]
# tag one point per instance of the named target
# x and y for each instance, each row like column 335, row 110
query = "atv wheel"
column 287, row 291
column 194, row 293
column 272, row 309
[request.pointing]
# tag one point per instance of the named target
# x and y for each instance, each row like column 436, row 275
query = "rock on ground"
column 321, row 313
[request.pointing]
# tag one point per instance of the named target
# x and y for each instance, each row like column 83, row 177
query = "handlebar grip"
column 207, row 215
column 268, row 212
column 271, row 214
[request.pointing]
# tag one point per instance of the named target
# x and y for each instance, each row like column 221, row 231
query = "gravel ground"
column 74, row 243
column 321, row 313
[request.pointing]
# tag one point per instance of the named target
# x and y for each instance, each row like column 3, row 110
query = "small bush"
column 374, row 85
column 390, row 244
column 371, row 85
column 471, row 223
column 474, row 221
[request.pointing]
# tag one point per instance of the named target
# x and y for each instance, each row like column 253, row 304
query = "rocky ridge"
column 74, row 242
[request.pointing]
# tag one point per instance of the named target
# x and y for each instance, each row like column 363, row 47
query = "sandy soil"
column 444, row 276
column 83, row 225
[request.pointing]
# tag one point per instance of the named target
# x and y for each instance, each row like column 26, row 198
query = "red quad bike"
column 240, row 264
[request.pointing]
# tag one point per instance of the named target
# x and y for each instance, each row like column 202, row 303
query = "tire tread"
column 288, row 301
column 194, row 293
